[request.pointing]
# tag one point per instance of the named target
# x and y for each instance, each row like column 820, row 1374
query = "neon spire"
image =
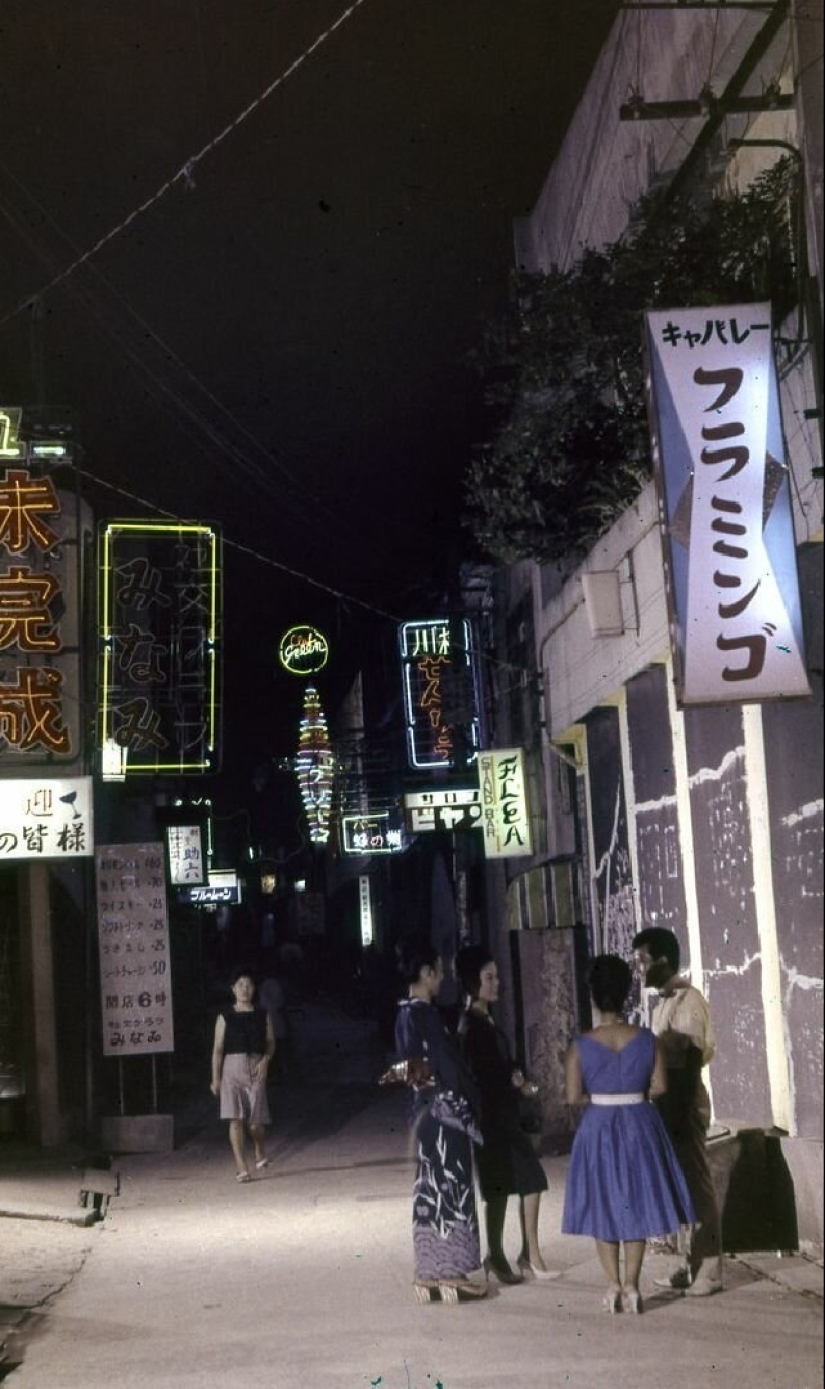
column 315, row 766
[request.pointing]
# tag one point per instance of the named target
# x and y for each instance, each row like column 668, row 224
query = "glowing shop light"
column 314, row 765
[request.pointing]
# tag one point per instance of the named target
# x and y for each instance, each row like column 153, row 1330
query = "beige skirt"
column 241, row 1096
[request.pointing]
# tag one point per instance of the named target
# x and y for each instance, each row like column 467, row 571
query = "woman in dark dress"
column 242, row 1050
column 507, row 1163
column 445, row 1225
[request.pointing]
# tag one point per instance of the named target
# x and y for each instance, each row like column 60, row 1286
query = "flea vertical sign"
column 504, row 814
column 133, row 940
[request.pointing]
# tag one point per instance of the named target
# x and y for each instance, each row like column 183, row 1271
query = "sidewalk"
column 303, row 1277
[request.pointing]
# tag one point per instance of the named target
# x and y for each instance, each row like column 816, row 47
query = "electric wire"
column 185, row 173
column 319, row 511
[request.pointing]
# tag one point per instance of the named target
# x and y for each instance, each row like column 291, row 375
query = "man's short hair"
column 659, row 942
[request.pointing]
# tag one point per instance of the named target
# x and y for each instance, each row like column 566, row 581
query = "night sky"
column 280, row 341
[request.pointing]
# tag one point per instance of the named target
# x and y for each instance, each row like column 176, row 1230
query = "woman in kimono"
column 447, row 1254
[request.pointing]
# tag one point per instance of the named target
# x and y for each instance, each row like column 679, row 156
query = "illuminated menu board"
column 133, row 941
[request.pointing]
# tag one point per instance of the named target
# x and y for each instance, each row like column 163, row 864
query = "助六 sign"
column 133, row 943
column 303, row 650
column 46, row 818
column 371, row 834
column 724, row 505
column 505, row 819
column 187, row 861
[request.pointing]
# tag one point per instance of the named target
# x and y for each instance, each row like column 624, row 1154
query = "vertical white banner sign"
column 366, row 909
column 725, row 505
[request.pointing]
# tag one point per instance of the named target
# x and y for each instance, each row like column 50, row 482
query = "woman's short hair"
column 241, row 972
column 610, row 979
column 469, row 963
column 415, row 953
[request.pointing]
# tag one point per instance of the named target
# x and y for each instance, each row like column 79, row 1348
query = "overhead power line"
column 185, row 173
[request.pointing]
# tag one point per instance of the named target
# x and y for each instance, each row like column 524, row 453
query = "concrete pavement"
column 302, row 1278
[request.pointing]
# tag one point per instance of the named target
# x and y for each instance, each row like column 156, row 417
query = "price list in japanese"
column 133, row 939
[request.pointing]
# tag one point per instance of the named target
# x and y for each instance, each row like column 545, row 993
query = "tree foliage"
column 565, row 374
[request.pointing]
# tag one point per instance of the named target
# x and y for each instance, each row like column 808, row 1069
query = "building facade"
column 706, row 819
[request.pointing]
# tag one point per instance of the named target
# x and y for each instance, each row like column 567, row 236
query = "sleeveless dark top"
column 245, row 1032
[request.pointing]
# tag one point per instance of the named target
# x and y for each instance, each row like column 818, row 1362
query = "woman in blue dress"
column 624, row 1184
column 447, row 1254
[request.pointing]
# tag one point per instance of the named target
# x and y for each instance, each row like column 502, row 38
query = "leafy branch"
column 569, row 447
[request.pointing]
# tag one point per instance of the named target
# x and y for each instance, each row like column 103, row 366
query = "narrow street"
column 302, row 1278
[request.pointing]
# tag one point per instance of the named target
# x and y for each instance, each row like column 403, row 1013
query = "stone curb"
column 69, row 1215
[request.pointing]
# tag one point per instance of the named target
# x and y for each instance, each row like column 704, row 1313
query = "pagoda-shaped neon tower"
column 315, row 766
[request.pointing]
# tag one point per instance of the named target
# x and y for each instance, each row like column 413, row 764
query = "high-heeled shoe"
column 541, row 1275
column 500, row 1267
column 463, row 1289
column 612, row 1300
column 632, row 1301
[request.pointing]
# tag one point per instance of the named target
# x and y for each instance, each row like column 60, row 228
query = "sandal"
column 242, row 1177
column 262, row 1163
column 461, row 1290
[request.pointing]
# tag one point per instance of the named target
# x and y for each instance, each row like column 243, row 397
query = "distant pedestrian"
column 681, row 1022
column 624, row 1183
column 506, row 1162
column 243, row 1048
column 445, row 1225
column 272, row 998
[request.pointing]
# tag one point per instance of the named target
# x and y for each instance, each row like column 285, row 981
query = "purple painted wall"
column 725, row 892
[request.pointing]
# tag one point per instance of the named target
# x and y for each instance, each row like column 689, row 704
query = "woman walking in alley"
column 507, row 1163
column 445, row 1225
column 243, row 1048
column 624, row 1183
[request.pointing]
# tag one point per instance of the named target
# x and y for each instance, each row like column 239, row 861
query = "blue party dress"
column 624, row 1181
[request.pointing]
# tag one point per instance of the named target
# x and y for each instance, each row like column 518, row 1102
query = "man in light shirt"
column 682, row 1023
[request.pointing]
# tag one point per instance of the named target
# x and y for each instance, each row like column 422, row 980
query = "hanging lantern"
column 314, row 766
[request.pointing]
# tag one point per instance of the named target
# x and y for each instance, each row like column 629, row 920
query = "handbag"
column 414, row 1071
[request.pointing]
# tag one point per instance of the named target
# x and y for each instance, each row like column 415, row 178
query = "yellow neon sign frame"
column 110, row 532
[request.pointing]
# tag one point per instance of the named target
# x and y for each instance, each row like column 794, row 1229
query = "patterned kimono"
column 445, row 1224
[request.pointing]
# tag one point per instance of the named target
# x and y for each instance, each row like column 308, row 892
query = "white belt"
column 617, row 1099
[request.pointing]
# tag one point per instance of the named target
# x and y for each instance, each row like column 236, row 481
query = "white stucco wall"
column 605, row 164
column 583, row 670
